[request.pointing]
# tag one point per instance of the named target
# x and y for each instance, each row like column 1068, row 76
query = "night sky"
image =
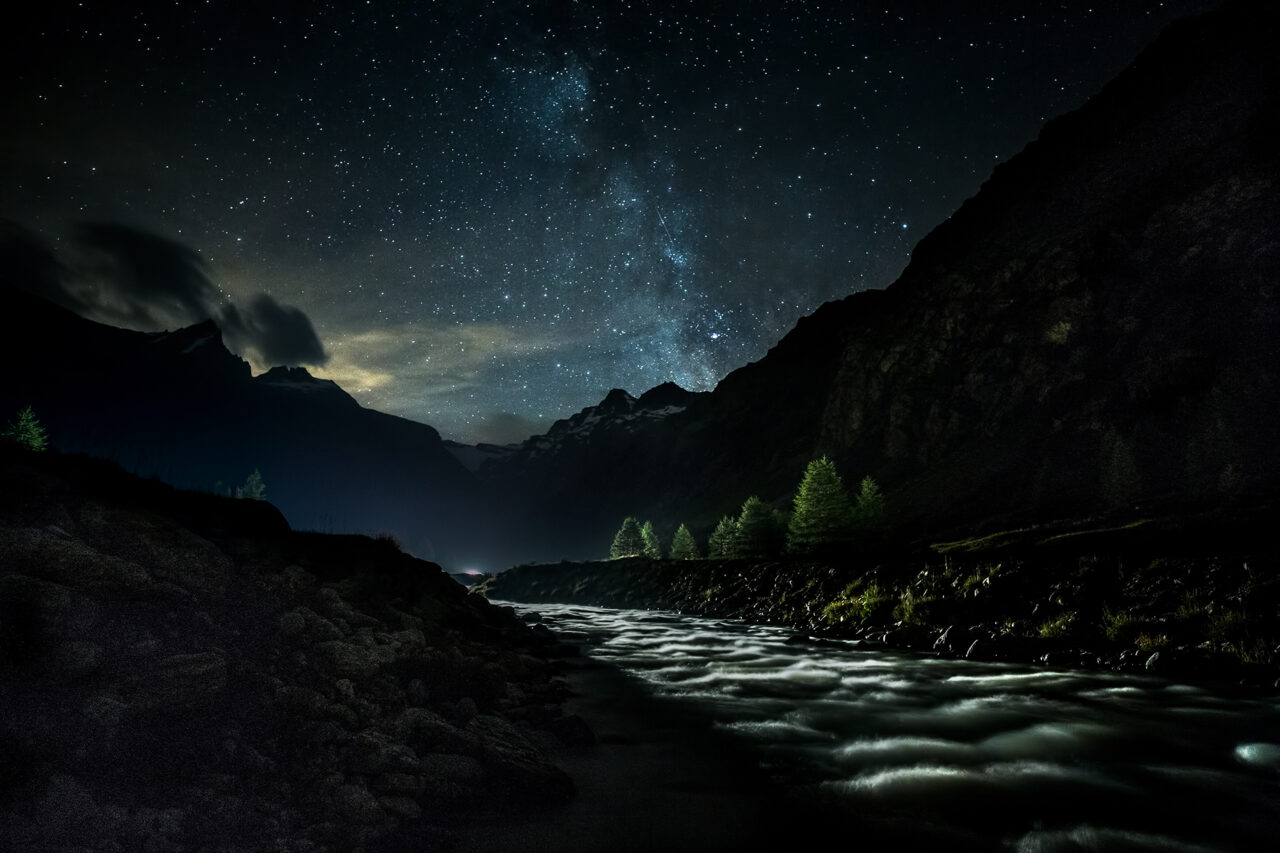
column 483, row 216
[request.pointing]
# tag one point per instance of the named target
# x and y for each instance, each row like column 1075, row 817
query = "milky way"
column 493, row 213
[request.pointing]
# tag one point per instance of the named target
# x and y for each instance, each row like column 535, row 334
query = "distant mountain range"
column 1096, row 331
column 180, row 407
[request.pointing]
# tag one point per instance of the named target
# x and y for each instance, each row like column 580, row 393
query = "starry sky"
column 485, row 215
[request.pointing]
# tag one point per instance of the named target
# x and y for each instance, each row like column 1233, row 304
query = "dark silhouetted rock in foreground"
column 181, row 672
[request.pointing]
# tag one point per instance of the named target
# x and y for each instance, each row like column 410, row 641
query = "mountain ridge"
column 1094, row 331
column 180, row 406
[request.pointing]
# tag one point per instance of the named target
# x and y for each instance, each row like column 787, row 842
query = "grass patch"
column 857, row 602
column 913, row 609
column 1058, row 628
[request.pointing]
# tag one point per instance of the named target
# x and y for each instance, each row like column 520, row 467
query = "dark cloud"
column 139, row 279
column 505, row 428
column 127, row 277
column 278, row 334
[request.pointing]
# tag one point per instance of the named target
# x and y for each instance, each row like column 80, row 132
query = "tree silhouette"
column 683, row 545
column 760, row 531
column 628, row 542
column 26, row 431
column 869, row 508
column 652, row 549
column 254, row 488
column 822, row 510
column 721, row 541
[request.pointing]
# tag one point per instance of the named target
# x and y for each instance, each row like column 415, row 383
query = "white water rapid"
column 974, row 755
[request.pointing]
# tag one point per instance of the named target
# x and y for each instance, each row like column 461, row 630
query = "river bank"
column 1112, row 602
column 652, row 777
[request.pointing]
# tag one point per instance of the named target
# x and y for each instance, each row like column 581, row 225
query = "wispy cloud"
column 406, row 368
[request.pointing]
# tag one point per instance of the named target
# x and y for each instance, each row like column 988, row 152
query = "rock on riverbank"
column 1172, row 610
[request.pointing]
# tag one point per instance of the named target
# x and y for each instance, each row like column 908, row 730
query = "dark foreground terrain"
column 184, row 672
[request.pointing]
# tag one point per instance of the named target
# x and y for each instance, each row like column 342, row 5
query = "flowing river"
column 967, row 754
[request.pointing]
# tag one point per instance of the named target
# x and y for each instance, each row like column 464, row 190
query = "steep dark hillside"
column 182, row 671
column 1096, row 330
column 181, row 407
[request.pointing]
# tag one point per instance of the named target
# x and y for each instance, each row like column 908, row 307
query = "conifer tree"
column 869, row 508
column 651, row 548
column 822, row 510
column 721, row 541
column 254, row 488
column 627, row 542
column 683, row 545
column 27, row 431
column 760, row 532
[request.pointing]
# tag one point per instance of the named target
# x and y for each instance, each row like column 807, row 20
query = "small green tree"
column 760, row 530
column 628, row 542
column 26, row 431
column 652, row 549
column 254, row 488
column 1120, row 479
column 822, row 510
column 683, row 545
column 721, row 541
column 868, row 508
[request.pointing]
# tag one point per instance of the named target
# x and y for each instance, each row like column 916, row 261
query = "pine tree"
column 760, row 532
column 869, row 508
column 683, row 545
column 822, row 510
column 652, row 549
column 27, row 431
column 721, row 541
column 628, row 541
column 254, row 488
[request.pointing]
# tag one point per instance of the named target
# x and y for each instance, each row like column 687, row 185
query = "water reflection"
column 1027, row 759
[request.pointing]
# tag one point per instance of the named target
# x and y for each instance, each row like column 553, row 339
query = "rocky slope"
column 183, row 672
column 179, row 406
column 1096, row 329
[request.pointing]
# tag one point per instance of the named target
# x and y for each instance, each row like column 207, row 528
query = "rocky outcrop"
column 181, row 671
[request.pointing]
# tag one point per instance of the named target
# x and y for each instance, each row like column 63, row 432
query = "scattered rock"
column 360, row 661
column 572, row 730
column 165, row 686
column 180, row 682
column 355, row 804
